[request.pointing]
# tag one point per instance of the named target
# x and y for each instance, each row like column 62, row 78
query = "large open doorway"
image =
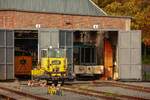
column 94, row 54
column 110, row 55
column 26, row 51
column 87, row 54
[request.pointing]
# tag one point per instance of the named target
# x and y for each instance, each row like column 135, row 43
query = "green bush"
column 146, row 59
column 147, row 76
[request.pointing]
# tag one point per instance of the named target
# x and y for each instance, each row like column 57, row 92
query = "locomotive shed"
column 91, row 37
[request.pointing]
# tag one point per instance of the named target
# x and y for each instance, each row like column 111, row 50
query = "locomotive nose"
column 56, row 69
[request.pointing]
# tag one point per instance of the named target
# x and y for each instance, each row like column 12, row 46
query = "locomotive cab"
column 53, row 65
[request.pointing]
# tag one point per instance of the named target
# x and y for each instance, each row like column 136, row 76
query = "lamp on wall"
column 38, row 25
column 96, row 26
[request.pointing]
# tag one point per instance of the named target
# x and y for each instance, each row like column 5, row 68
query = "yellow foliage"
column 139, row 10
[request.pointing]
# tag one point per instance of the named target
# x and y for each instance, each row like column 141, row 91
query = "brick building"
column 115, row 43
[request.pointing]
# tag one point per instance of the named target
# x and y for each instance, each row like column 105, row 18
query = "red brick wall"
column 16, row 19
column 6, row 19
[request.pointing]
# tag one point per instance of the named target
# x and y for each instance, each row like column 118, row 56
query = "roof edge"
column 98, row 7
column 128, row 17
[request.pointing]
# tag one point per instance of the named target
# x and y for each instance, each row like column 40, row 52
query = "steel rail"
column 123, row 85
column 6, row 97
column 87, row 93
column 22, row 94
column 100, row 94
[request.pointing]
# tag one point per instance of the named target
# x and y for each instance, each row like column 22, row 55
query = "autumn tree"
column 139, row 10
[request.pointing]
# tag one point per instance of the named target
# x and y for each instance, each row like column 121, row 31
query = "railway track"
column 12, row 94
column 122, row 85
column 100, row 94
column 82, row 89
column 107, row 95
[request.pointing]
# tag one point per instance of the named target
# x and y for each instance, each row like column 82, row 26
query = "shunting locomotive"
column 53, row 66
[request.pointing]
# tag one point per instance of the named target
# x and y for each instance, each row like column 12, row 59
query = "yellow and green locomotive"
column 53, row 66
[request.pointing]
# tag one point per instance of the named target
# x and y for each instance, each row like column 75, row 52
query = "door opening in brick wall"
column 95, row 54
column 110, row 55
column 26, row 51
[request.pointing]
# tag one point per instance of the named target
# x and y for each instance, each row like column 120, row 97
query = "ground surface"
column 119, row 90
column 145, row 84
column 42, row 91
